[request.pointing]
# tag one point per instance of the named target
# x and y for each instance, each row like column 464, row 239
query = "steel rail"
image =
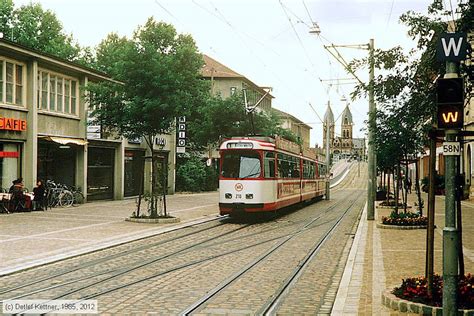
column 275, row 301
column 210, row 294
column 118, row 255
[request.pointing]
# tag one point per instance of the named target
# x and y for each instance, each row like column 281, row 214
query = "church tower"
column 346, row 123
column 328, row 121
column 346, row 131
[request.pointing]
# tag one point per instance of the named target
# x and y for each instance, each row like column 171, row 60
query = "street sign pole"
column 450, row 232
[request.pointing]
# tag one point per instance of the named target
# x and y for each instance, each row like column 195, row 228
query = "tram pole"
column 328, row 159
column 371, row 185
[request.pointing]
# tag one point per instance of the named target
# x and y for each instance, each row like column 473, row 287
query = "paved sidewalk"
column 29, row 239
column 381, row 258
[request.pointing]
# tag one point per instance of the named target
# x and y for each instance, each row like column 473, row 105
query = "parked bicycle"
column 61, row 195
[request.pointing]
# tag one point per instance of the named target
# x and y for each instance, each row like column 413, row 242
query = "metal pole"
column 371, row 150
column 328, row 158
column 450, row 232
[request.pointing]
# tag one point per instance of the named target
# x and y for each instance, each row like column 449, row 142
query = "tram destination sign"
column 451, row 148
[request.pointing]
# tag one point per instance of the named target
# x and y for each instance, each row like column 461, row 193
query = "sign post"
column 452, row 48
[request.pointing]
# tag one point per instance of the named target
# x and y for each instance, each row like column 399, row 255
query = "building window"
column 11, row 82
column 233, row 90
column 57, row 93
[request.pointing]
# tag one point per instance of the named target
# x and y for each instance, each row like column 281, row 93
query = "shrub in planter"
column 416, row 290
column 405, row 219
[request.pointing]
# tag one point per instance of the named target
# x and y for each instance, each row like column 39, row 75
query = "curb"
column 391, row 301
column 400, row 227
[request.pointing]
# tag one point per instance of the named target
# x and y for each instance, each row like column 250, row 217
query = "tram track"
column 79, row 289
column 270, row 306
column 112, row 274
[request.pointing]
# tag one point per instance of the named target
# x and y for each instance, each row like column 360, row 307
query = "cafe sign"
column 12, row 124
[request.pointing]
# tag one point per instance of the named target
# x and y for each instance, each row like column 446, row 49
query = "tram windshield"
column 241, row 164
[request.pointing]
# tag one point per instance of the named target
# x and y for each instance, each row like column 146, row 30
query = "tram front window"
column 241, row 165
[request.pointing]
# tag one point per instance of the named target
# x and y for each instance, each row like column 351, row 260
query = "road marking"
column 59, row 231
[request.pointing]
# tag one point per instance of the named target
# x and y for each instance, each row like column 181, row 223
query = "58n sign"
column 451, row 149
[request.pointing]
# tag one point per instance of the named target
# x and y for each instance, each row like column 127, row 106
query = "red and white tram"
column 261, row 174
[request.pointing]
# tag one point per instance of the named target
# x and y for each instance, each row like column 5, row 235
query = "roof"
column 347, row 114
column 214, row 69
column 329, row 116
column 291, row 117
column 48, row 59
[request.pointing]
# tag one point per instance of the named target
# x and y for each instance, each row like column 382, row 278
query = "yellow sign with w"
column 450, row 117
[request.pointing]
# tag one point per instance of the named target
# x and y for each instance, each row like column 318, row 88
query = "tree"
column 159, row 74
column 32, row 26
column 218, row 118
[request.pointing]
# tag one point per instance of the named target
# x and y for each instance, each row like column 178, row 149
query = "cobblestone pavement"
column 171, row 274
column 34, row 238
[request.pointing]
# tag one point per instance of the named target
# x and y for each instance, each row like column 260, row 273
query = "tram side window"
column 295, row 164
column 308, row 170
column 288, row 166
column 322, row 170
column 269, row 165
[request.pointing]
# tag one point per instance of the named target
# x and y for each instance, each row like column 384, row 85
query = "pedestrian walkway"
column 381, row 258
column 29, row 239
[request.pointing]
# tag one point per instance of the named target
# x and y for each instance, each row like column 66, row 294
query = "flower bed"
column 405, row 219
column 416, row 290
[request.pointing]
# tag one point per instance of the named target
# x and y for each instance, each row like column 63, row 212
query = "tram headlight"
column 228, row 195
column 249, row 196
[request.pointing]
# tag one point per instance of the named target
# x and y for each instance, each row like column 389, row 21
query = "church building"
column 344, row 145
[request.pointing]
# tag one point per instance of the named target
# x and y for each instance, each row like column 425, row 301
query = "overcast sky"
column 267, row 41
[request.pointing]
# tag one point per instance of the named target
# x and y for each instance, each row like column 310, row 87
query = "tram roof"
column 267, row 143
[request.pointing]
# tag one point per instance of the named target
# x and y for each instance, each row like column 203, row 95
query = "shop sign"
column 9, row 154
column 160, row 141
column 12, row 124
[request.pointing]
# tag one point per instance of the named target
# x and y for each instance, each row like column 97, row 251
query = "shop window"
column 10, row 158
column 100, row 173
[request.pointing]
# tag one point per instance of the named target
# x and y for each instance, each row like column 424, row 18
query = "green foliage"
column 217, row 118
column 32, row 26
column 159, row 70
column 192, row 175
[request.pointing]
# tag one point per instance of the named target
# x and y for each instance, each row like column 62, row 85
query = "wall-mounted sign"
column 12, row 124
column 181, row 135
column 9, row 154
column 160, row 141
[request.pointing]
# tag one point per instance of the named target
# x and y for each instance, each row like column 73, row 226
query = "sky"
column 267, row 41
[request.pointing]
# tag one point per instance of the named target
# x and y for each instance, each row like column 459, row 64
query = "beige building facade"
column 44, row 131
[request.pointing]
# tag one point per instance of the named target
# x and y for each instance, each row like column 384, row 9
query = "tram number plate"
column 451, row 149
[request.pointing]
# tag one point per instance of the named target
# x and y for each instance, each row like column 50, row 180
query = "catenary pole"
column 371, row 147
column 328, row 157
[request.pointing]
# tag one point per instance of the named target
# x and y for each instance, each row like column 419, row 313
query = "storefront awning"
column 65, row 140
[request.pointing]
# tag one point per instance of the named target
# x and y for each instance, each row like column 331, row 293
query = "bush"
column 193, row 175
column 405, row 219
column 416, row 290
